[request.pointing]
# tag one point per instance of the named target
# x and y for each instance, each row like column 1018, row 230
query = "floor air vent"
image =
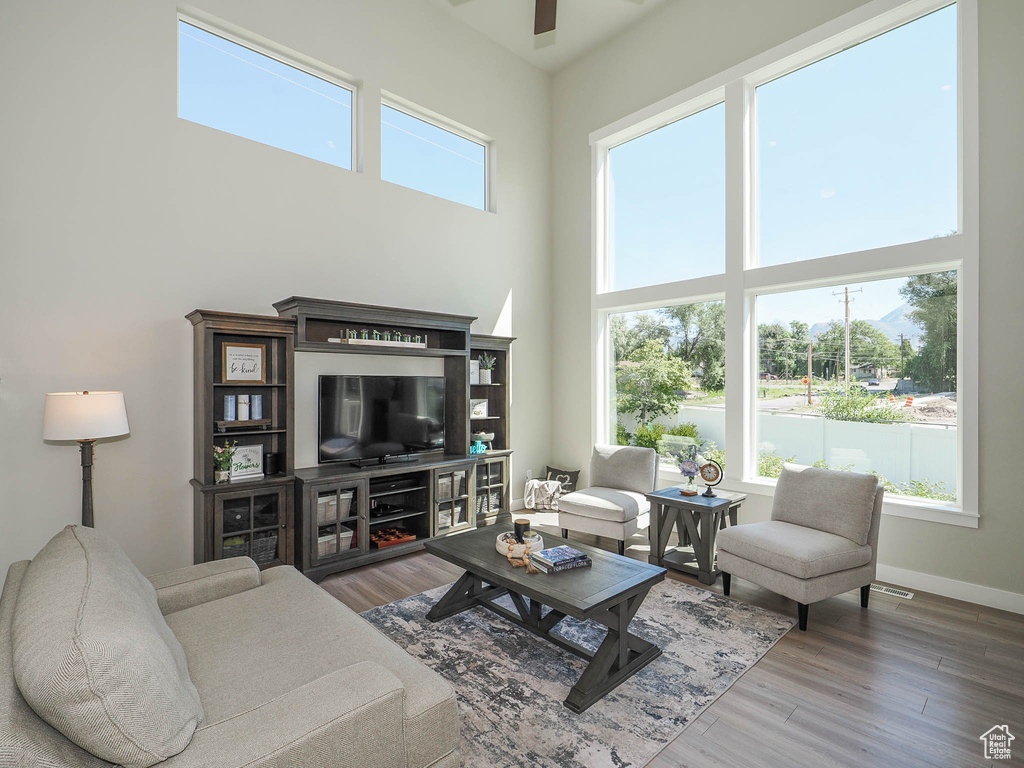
column 892, row 591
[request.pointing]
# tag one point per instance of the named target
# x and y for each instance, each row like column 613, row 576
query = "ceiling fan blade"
column 544, row 16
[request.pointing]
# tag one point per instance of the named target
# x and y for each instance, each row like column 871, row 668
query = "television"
column 366, row 418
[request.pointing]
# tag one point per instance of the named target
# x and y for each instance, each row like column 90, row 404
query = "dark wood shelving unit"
column 322, row 518
column 220, row 509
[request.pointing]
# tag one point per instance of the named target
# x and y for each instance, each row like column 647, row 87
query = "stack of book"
column 559, row 559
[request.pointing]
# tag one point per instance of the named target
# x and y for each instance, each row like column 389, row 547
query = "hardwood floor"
column 901, row 683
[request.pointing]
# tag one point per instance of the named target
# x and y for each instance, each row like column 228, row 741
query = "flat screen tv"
column 379, row 417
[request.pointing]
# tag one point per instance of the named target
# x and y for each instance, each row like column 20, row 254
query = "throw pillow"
column 567, row 477
column 94, row 657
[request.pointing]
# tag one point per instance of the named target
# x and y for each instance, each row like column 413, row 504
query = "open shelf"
column 395, row 491
column 396, row 516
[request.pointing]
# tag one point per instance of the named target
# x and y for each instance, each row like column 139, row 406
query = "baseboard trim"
column 518, row 504
column 958, row 590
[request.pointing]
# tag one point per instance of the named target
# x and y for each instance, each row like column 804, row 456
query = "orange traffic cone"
column 910, row 401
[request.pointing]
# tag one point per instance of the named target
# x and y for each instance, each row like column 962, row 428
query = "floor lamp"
column 85, row 417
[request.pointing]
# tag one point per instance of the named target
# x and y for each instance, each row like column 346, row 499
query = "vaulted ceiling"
column 582, row 25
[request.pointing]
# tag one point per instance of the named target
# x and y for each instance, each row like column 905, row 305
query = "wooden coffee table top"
column 578, row 592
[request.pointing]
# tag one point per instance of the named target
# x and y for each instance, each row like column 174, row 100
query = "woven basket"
column 241, row 549
column 331, row 508
column 264, row 547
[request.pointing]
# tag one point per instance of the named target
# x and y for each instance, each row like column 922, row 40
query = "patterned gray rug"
column 511, row 683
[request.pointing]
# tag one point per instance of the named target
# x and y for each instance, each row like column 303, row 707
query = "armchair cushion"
column 793, row 549
column 605, row 504
column 827, row 500
column 94, row 657
column 626, row 468
column 185, row 587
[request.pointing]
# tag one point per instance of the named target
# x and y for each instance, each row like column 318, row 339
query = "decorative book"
column 559, row 555
column 586, row 562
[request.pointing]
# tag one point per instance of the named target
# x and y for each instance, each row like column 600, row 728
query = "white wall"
column 688, row 41
column 117, row 218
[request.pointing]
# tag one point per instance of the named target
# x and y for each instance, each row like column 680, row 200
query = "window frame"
column 743, row 280
column 287, row 57
column 388, row 99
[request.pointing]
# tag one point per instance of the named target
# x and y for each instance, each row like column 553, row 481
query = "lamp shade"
column 84, row 415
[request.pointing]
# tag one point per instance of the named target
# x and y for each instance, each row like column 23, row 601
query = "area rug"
column 511, row 684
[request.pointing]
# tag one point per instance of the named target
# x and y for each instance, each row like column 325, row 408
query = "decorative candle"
column 229, row 408
column 243, row 407
column 257, row 407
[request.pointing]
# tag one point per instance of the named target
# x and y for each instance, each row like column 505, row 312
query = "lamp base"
column 87, row 519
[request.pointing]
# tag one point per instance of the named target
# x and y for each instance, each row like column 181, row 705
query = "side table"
column 697, row 520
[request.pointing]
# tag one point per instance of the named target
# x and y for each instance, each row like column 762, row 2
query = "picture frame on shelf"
column 474, row 371
column 243, row 363
column 478, row 408
column 247, row 462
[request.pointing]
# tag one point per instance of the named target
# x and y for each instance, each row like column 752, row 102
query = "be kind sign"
column 244, row 362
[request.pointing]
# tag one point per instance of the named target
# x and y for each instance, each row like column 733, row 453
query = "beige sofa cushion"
column 794, row 549
column 826, row 499
column 94, row 657
column 253, row 647
column 605, row 504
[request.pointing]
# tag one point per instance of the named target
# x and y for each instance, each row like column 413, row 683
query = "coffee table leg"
column 619, row 656
column 468, row 591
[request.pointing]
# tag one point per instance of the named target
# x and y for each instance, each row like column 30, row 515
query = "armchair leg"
column 622, row 548
column 726, row 582
column 802, row 615
column 565, row 533
column 865, row 593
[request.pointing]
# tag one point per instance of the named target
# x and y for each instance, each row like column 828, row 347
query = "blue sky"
column 231, row 88
column 855, row 151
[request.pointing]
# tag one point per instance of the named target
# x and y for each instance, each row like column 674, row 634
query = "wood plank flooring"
column 902, row 683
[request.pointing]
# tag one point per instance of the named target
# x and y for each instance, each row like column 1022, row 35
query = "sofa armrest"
column 197, row 584
column 351, row 716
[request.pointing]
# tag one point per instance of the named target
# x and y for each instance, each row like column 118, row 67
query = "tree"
column 773, row 342
column 800, row 339
column 647, row 383
column 933, row 298
column 628, row 338
column 698, row 339
column 867, row 345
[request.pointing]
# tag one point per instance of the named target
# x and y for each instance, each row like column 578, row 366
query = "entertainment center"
column 343, row 513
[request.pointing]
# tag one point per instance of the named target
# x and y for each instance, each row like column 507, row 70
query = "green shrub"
column 858, row 405
column 712, row 452
column 769, row 463
column 685, row 430
column 648, row 435
column 622, row 437
column 925, row 489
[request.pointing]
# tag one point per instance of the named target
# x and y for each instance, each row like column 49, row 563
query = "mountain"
column 892, row 325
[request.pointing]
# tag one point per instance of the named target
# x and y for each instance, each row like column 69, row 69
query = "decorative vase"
column 220, row 475
column 485, row 375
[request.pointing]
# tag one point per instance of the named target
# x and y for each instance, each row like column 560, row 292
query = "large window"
column 236, row 89
column 859, row 150
column 422, row 155
column 668, row 378
column 862, row 377
column 666, row 199
column 828, row 191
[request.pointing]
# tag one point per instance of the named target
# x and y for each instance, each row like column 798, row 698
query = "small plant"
column 769, row 464
column 487, row 362
column 222, row 456
column 648, row 435
column 712, row 452
column 685, row 430
column 622, row 435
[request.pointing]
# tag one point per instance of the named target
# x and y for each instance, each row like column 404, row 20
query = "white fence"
column 900, row 452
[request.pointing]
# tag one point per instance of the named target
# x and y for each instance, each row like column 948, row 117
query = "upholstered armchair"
column 821, row 541
column 615, row 505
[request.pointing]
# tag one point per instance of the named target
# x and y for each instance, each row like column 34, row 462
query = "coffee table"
column 609, row 593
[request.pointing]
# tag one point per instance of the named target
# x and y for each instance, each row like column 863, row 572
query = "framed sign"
column 247, row 462
column 474, row 371
column 243, row 362
column 478, row 409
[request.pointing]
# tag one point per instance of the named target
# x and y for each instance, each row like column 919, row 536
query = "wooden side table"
column 697, row 520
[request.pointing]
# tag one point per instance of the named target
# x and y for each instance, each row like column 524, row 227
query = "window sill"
column 914, row 509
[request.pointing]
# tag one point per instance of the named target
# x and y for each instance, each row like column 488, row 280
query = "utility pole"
column 810, row 371
column 901, row 355
column 787, row 340
column 846, row 299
